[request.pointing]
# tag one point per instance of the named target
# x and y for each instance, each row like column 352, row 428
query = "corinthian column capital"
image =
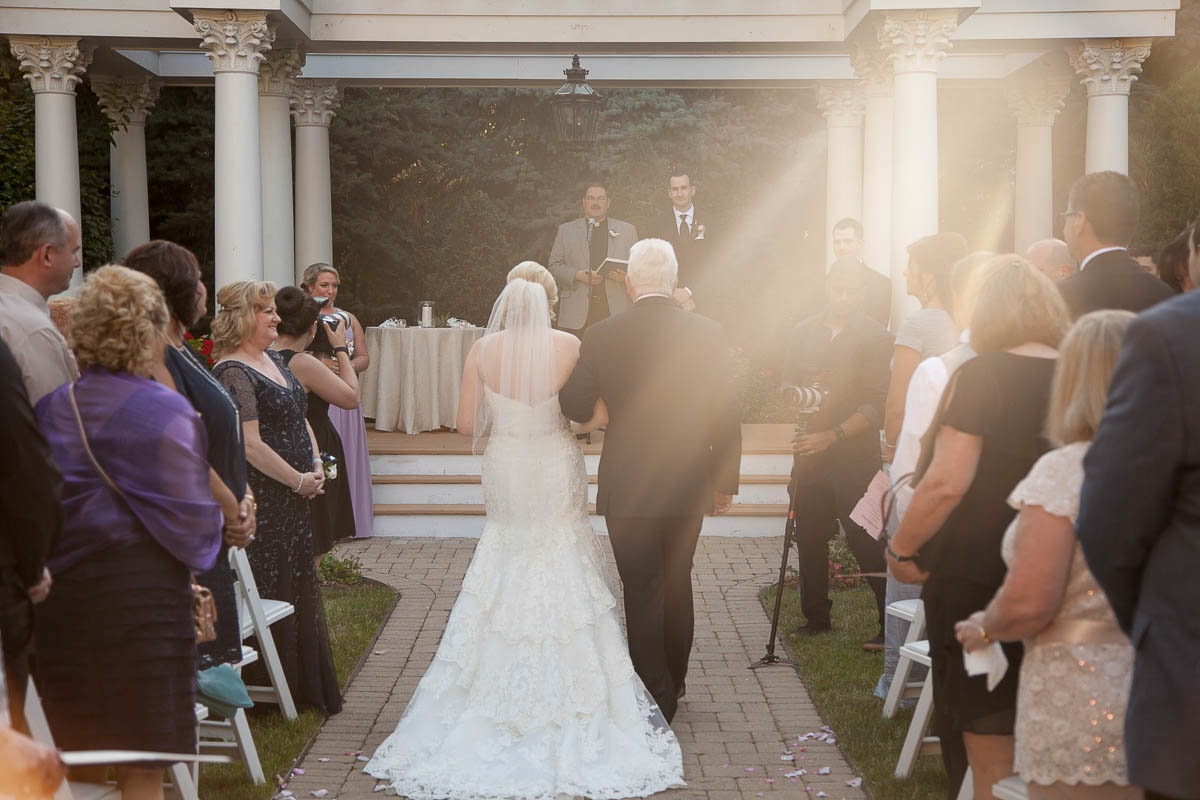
column 1037, row 93
column 279, row 70
column 917, row 41
column 313, row 101
column 52, row 64
column 872, row 66
column 1108, row 66
column 842, row 106
column 234, row 41
column 126, row 101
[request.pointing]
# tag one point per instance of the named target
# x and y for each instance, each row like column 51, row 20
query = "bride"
column 531, row 694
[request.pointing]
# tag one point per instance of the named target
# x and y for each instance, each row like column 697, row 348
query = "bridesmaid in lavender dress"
column 323, row 280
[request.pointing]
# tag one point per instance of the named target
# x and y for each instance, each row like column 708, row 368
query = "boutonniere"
column 612, row 234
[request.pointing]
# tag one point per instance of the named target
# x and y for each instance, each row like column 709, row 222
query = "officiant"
column 580, row 248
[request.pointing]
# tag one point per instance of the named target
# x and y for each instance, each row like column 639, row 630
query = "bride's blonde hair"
column 536, row 273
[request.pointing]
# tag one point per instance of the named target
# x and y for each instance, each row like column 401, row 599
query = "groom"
column 672, row 453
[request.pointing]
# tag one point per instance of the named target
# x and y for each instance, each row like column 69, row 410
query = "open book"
column 611, row 264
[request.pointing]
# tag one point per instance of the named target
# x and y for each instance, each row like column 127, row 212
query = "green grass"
column 841, row 678
column 354, row 614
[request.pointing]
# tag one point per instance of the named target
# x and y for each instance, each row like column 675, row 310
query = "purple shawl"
column 151, row 443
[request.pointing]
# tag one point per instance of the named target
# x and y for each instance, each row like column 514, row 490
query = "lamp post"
column 576, row 107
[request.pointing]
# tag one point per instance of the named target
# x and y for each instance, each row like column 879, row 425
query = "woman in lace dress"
column 531, row 693
column 1075, row 677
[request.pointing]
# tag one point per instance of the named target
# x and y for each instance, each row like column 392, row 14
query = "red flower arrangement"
column 203, row 345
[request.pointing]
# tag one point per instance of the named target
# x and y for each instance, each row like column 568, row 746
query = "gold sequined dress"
column 1075, row 676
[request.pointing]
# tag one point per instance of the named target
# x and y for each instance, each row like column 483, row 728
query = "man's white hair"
column 653, row 268
column 1049, row 254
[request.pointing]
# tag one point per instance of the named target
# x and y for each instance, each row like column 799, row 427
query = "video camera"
column 320, row 343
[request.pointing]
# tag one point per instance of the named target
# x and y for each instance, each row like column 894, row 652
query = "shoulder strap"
column 87, row 447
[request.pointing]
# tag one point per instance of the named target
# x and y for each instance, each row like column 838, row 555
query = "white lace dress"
column 1075, row 675
column 532, row 693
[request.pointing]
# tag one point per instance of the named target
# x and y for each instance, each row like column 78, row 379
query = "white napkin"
column 989, row 661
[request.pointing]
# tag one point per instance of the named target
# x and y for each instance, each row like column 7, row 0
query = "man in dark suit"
column 848, row 243
column 672, row 453
column 1101, row 216
column 687, row 233
column 848, row 354
column 1139, row 526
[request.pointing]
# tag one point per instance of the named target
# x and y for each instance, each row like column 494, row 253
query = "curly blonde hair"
column 1012, row 303
column 118, row 321
column 534, row 272
column 238, row 303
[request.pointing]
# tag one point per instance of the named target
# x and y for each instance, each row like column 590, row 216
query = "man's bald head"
column 1052, row 257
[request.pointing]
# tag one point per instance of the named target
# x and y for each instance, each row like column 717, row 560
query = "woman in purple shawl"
column 115, row 641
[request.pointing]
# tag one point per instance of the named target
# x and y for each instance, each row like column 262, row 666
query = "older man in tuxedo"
column 1139, row 528
column 580, row 247
column 1101, row 217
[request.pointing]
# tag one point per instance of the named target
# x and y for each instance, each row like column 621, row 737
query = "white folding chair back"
column 916, row 743
column 223, row 736
column 913, row 611
column 1011, row 788
column 257, row 616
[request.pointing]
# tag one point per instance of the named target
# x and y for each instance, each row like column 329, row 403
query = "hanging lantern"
column 576, row 108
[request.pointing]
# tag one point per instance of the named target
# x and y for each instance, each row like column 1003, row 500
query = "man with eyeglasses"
column 580, row 247
column 1098, row 225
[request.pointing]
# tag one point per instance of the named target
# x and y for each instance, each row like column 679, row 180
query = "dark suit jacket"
column 1139, row 526
column 694, row 272
column 674, row 434
column 31, row 496
column 1112, row 280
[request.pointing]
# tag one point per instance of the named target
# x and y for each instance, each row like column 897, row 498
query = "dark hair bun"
column 297, row 311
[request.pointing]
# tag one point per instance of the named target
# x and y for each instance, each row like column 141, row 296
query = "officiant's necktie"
column 684, row 230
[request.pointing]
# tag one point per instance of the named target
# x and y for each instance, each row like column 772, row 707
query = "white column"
column 916, row 42
column 842, row 107
column 1035, row 96
column 1107, row 67
column 53, row 66
column 236, row 42
column 313, row 103
column 276, row 79
column 871, row 65
column 127, row 102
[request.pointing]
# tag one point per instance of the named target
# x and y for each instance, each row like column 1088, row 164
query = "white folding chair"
column 916, row 743
column 257, row 614
column 181, row 776
column 224, row 736
column 914, row 612
column 1011, row 788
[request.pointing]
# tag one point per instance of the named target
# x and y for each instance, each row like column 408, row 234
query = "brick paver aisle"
column 734, row 724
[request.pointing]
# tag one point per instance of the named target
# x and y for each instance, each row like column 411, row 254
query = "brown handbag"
column 204, row 606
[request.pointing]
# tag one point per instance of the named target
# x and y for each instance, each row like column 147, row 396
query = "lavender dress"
column 353, row 431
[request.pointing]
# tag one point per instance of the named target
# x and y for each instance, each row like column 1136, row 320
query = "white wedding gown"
column 531, row 694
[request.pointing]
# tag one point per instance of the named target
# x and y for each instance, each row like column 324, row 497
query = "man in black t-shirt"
column 847, row 354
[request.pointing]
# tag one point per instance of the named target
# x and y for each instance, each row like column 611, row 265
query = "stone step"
column 466, row 520
column 408, row 463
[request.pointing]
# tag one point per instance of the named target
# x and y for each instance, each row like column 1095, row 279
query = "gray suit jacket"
column 570, row 254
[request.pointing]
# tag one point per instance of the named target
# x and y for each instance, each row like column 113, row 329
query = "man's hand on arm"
column 683, row 299
column 721, row 503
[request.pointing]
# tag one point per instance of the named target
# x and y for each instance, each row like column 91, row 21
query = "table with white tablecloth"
column 415, row 376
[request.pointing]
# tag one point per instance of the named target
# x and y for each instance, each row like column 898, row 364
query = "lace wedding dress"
column 531, row 693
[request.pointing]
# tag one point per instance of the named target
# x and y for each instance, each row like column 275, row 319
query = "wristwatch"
column 841, row 434
column 897, row 557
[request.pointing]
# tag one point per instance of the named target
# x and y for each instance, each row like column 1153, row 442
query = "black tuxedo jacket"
column 674, row 434
column 1112, row 280
column 694, row 271
column 1139, row 526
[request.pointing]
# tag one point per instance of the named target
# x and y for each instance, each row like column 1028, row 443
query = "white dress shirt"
column 688, row 215
column 40, row 350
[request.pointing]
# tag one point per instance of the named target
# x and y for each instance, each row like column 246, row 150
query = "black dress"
column 332, row 512
column 226, row 455
column 1002, row 398
column 281, row 554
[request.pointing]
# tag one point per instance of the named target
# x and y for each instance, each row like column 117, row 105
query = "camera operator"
column 847, row 354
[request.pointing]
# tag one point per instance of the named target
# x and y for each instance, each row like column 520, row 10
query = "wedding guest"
column 987, row 439
column 682, row 227
column 849, row 242
column 1144, row 256
column 332, row 512
column 920, row 407
column 1074, row 681
column 39, row 250
column 285, row 474
column 1138, row 529
column 928, row 331
column 116, row 644
column 1101, row 217
column 847, row 353
column 1173, row 263
column 60, row 313
column 177, row 273
column 323, row 281
column 31, row 502
column 1053, row 258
